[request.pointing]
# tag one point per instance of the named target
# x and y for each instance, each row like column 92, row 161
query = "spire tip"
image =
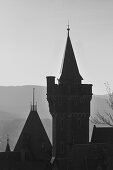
column 68, row 28
column 33, row 105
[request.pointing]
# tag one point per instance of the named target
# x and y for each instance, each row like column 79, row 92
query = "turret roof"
column 33, row 138
column 69, row 70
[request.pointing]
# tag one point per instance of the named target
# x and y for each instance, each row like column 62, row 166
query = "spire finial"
column 7, row 139
column 68, row 29
column 33, row 105
column 8, row 146
column 33, row 97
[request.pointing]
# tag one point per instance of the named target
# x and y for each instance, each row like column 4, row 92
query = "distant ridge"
column 16, row 100
column 15, row 108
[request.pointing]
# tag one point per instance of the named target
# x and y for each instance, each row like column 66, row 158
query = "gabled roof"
column 33, row 138
column 69, row 70
column 102, row 134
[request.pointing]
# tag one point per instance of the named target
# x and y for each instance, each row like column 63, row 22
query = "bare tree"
column 106, row 118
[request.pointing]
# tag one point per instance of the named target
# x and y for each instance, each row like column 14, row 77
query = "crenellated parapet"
column 62, row 89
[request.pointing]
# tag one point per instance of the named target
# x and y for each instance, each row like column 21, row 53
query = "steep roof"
column 69, row 70
column 102, row 134
column 33, row 138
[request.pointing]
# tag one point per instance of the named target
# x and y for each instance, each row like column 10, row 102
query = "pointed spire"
column 69, row 73
column 7, row 146
column 33, row 135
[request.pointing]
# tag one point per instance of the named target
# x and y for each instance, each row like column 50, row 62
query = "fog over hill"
column 16, row 100
column 15, row 107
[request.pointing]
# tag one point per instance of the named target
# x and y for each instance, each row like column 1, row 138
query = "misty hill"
column 15, row 107
column 16, row 100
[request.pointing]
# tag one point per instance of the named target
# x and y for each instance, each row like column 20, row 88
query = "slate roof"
column 33, row 138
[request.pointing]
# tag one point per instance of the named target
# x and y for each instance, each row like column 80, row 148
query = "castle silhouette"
column 69, row 106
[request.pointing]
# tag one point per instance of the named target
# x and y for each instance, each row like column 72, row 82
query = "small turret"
column 33, row 142
column 69, row 71
column 7, row 146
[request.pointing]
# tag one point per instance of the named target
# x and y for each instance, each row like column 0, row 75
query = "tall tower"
column 69, row 105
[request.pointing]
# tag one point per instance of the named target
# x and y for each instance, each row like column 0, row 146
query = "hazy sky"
column 33, row 36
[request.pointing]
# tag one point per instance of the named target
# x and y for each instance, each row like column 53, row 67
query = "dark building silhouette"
column 33, row 149
column 33, row 142
column 102, row 135
column 69, row 105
